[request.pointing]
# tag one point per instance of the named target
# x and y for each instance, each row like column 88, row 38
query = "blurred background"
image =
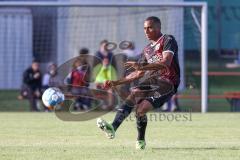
column 35, row 41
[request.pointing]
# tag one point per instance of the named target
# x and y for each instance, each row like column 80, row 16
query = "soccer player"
column 161, row 53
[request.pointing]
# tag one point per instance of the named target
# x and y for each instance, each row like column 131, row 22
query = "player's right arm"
column 129, row 78
column 149, row 66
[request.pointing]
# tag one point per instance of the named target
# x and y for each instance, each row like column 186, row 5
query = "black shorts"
column 158, row 97
column 158, row 102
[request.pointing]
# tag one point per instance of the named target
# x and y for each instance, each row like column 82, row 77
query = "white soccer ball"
column 52, row 97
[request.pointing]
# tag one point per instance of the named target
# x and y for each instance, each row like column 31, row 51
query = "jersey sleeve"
column 142, row 60
column 170, row 45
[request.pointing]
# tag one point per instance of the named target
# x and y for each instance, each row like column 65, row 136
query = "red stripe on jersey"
column 154, row 53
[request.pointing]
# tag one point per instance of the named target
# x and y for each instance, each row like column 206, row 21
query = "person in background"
column 131, row 53
column 101, row 73
column 103, row 52
column 55, row 79
column 51, row 79
column 77, row 80
column 32, row 85
column 51, row 71
column 86, row 63
column 83, row 51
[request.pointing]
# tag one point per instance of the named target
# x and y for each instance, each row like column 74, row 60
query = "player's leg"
column 110, row 129
column 143, row 107
column 122, row 113
column 106, row 127
column 125, row 109
column 141, row 119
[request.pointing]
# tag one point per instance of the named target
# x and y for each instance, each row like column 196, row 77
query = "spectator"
column 78, row 85
column 172, row 105
column 51, row 79
column 131, row 52
column 83, row 51
column 103, row 52
column 55, row 79
column 103, row 72
column 86, row 63
column 32, row 84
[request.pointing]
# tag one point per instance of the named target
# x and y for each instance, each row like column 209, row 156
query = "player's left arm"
column 170, row 48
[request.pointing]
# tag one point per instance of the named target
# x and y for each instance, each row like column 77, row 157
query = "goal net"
column 55, row 32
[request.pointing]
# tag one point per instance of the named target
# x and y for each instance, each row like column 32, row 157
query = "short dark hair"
column 35, row 61
column 83, row 51
column 155, row 20
column 103, row 41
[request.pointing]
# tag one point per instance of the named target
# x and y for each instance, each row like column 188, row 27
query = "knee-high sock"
column 122, row 113
column 141, row 126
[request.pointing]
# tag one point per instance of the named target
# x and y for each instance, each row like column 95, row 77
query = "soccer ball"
column 52, row 97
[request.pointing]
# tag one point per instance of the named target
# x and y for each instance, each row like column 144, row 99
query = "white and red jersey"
column 153, row 53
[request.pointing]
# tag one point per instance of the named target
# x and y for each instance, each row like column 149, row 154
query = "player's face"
column 152, row 32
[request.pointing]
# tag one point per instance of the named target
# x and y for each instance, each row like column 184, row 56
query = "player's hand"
column 132, row 64
column 107, row 84
column 36, row 75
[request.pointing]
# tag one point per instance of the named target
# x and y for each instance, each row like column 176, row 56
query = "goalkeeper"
column 159, row 77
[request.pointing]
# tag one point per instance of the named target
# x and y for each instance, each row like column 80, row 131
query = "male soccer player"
column 161, row 53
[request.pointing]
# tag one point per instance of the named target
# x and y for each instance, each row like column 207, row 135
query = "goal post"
column 125, row 4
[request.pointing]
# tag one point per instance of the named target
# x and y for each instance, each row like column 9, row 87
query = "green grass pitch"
column 31, row 136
